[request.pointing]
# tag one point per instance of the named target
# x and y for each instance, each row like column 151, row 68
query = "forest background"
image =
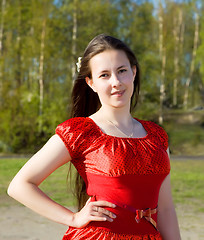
column 41, row 40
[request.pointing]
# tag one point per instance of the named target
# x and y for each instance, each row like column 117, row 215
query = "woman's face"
column 112, row 78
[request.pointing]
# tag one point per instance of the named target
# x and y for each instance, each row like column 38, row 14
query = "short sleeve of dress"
column 161, row 134
column 71, row 132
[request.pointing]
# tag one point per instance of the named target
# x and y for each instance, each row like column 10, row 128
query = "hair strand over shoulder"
column 85, row 101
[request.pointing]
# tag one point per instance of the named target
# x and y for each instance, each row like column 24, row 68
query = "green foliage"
column 24, row 53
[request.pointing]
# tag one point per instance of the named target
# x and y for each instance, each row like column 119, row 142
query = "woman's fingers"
column 98, row 210
column 102, row 211
column 101, row 218
column 93, row 211
column 104, row 204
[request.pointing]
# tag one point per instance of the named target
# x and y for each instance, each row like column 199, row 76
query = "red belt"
column 139, row 214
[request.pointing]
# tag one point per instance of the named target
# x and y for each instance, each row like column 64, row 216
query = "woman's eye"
column 122, row 70
column 104, row 75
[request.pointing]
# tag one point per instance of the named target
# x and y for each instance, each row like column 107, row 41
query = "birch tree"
column 41, row 65
column 18, row 50
column 162, row 53
column 3, row 5
column 74, row 37
column 45, row 14
column 178, row 32
column 192, row 64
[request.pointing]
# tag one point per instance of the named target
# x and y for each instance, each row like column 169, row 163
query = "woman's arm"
column 167, row 219
column 24, row 188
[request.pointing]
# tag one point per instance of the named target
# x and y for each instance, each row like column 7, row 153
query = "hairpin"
column 79, row 64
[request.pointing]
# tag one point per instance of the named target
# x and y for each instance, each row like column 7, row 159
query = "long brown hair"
column 85, row 101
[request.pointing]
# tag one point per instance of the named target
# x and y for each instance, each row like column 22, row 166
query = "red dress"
column 125, row 171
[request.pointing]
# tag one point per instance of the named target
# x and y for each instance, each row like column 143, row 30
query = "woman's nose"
column 115, row 80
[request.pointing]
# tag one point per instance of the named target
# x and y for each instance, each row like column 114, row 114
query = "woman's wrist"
column 74, row 221
column 67, row 218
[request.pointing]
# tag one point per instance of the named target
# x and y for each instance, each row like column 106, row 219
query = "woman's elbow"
column 15, row 188
column 11, row 190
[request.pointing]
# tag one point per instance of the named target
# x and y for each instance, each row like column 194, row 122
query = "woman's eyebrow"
column 123, row 66
column 102, row 71
column 106, row 70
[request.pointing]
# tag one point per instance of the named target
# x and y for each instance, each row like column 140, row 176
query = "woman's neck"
column 115, row 115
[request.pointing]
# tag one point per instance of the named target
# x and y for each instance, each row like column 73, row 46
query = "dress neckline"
column 127, row 138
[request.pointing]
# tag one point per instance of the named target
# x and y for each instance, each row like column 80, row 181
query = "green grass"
column 55, row 185
column 187, row 179
column 8, row 168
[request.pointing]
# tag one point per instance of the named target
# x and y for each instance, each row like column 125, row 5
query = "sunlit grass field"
column 187, row 178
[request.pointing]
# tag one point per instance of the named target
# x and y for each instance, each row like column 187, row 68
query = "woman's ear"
column 134, row 70
column 89, row 81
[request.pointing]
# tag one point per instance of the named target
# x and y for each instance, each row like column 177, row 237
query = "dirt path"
column 191, row 223
column 19, row 223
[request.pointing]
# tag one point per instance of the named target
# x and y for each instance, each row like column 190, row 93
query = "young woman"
column 122, row 162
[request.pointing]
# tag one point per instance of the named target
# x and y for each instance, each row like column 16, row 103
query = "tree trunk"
column 178, row 46
column 192, row 66
column 176, row 69
column 18, row 71
column 41, row 66
column 162, row 53
column 162, row 86
column 182, row 30
column 3, row 5
column 74, row 36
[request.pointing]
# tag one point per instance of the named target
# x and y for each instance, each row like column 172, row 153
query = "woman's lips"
column 118, row 93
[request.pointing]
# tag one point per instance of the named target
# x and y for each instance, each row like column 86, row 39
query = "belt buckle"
column 139, row 215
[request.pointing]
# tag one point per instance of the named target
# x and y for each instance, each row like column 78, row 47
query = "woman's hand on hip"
column 93, row 211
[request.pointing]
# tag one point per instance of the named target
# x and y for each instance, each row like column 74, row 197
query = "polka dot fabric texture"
column 95, row 234
column 135, row 166
column 96, row 152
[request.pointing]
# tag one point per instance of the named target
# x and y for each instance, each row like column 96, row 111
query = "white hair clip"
column 79, row 64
